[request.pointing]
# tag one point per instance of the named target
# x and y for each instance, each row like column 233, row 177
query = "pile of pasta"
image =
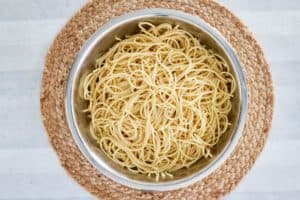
column 159, row 100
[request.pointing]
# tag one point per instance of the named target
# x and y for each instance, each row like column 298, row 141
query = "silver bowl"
column 100, row 42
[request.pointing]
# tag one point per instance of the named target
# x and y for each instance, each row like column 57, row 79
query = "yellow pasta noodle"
column 158, row 100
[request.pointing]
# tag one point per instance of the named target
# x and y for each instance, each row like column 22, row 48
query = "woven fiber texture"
column 68, row 43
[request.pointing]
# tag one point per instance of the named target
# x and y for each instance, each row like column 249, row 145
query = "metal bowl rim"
column 92, row 42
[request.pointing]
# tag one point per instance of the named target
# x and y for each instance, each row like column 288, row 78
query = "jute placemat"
column 60, row 58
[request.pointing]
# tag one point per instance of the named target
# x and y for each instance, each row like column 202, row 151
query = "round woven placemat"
column 60, row 58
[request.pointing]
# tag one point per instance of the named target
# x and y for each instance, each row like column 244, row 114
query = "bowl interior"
column 100, row 45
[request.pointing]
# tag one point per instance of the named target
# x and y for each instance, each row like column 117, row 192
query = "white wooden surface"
column 29, row 168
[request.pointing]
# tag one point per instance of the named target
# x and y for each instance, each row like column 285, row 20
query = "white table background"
column 29, row 168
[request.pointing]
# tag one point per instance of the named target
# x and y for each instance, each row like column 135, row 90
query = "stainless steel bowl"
column 100, row 42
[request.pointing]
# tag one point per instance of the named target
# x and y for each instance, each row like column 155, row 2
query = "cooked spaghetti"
column 158, row 100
